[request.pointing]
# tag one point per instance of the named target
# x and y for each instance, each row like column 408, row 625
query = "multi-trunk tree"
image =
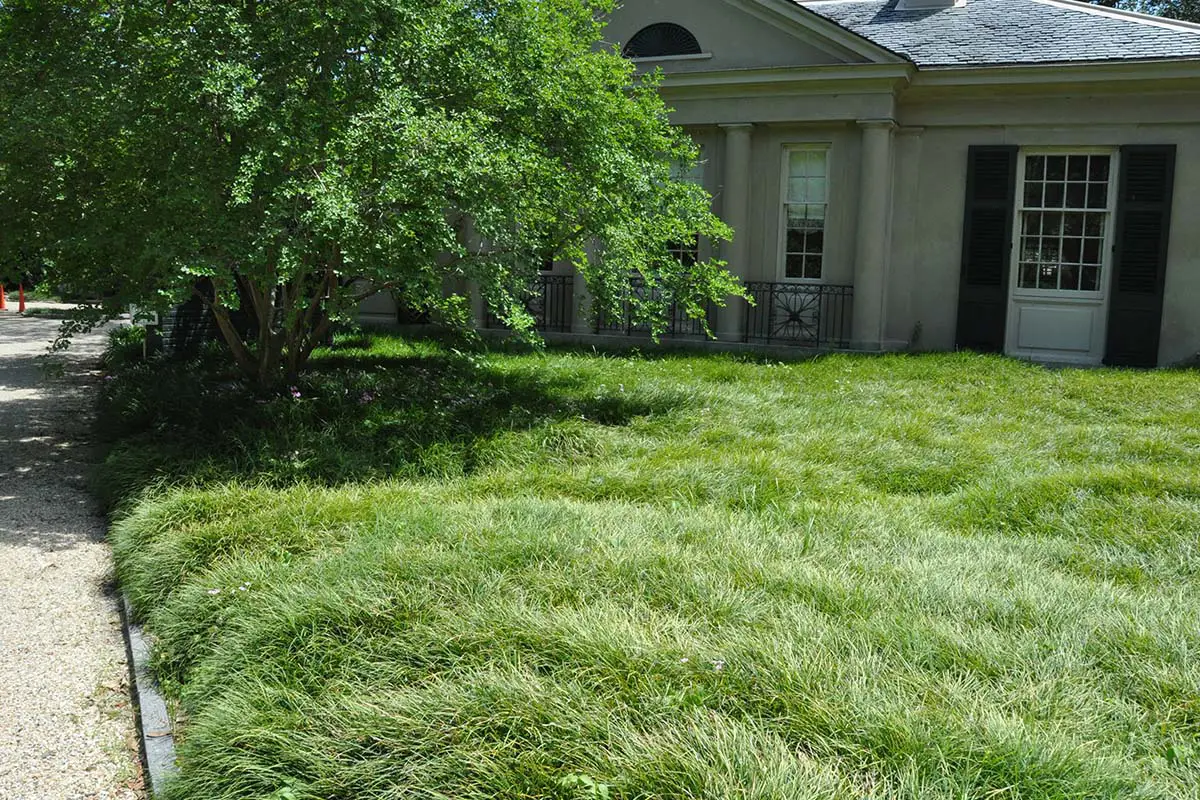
column 284, row 160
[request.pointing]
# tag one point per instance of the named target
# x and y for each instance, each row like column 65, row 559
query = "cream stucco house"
column 1018, row 176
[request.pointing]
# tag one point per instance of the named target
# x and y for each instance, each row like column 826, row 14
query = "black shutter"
column 1143, row 228
column 987, row 244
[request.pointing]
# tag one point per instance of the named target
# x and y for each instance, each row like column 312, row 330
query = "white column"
column 735, row 210
column 871, row 256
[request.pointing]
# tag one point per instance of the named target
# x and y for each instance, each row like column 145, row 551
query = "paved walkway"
column 66, row 726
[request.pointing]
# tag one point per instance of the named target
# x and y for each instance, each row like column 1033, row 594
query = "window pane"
column 1072, row 249
column 1035, row 167
column 1047, row 276
column 1027, row 278
column 1049, row 251
column 1033, row 194
column 798, row 190
column 1097, row 195
column 1076, row 195
column 815, row 242
column 1098, row 169
column 812, row 266
column 1093, row 224
column 1029, row 248
column 1077, row 168
column 1056, row 168
column 798, row 164
column 795, row 266
column 1052, row 223
column 816, row 190
column 816, row 163
column 1091, row 251
column 1054, row 195
column 1073, row 225
column 795, row 241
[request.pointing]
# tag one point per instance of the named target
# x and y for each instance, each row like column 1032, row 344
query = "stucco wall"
column 934, row 238
column 936, row 123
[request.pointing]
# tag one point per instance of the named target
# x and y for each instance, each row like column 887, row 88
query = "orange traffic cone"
column 3, row 305
column 21, row 297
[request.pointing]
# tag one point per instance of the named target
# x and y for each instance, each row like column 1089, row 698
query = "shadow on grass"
column 356, row 415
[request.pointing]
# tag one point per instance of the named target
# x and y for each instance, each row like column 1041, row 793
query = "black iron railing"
column 549, row 303
column 678, row 323
column 803, row 314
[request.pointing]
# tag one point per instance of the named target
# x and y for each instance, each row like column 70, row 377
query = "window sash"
column 1063, row 221
column 804, row 212
column 687, row 252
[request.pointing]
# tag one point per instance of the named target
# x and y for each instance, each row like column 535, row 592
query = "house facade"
column 1015, row 176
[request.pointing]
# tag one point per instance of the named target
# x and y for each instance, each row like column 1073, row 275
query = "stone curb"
column 155, row 732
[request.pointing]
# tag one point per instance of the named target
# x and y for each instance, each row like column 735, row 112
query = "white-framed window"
column 805, row 205
column 1064, row 220
column 687, row 252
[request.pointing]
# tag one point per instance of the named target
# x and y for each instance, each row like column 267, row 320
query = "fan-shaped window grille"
column 662, row 39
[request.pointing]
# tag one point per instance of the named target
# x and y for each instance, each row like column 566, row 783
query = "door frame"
column 1099, row 299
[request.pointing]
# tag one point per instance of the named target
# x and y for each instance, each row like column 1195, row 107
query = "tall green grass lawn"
column 430, row 573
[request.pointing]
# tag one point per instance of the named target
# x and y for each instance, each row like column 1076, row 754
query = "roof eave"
column 1057, row 72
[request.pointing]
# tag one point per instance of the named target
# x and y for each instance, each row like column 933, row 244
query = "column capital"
column 885, row 123
column 736, row 126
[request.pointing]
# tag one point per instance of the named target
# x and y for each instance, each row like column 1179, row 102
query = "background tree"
column 1188, row 10
column 291, row 159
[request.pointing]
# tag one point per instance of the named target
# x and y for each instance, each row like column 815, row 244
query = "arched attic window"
column 662, row 39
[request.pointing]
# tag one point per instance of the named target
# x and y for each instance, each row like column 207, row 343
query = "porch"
column 788, row 314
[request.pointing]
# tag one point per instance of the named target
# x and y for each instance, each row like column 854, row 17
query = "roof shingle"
column 1008, row 32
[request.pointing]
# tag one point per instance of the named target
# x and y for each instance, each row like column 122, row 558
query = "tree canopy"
column 1187, row 10
column 289, row 159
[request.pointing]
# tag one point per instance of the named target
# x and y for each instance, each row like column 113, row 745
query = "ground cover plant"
column 439, row 571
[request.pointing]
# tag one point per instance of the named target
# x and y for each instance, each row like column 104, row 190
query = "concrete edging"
column 156, row 735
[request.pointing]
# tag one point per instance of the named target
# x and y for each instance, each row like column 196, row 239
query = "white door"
column 1062, row 255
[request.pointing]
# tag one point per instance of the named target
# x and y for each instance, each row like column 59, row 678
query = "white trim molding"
column 683, row 57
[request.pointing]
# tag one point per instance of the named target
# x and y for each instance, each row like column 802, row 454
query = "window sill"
column 686, row 57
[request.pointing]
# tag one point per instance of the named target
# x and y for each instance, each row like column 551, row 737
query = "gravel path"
column 66, row 725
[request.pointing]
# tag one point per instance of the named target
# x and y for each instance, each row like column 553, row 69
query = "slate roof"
column 1008, row 32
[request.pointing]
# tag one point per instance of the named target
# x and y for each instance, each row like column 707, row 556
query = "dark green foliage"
column 289, row 160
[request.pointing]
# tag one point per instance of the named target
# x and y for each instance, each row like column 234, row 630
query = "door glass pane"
column 1027, row 278
column 1061, row 245
column 1089, row 279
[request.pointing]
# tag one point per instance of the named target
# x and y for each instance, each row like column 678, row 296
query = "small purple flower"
column 110, row 377
column 295, row 393
column 367, row 397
